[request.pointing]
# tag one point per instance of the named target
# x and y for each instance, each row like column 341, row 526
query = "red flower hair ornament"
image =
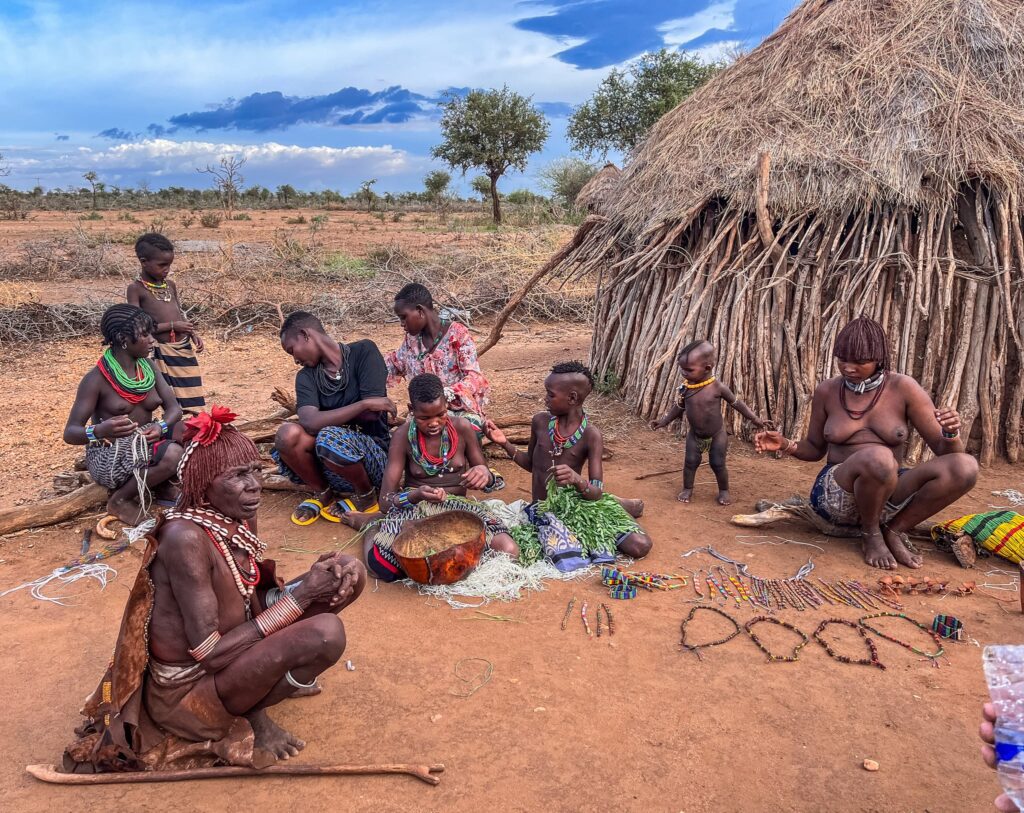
column 206, row 427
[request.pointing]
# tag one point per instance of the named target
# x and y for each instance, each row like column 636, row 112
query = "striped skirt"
column 180, row 367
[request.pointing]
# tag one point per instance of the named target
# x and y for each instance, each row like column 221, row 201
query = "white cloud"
column 717, row 15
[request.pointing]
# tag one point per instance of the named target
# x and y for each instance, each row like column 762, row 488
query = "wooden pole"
column 49, row 773
column 50, row 512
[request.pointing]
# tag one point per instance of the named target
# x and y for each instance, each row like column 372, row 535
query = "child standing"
column 177, row 341
column 700, row 397
column 562, row 439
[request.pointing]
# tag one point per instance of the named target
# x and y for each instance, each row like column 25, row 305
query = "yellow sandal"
column 310, row 503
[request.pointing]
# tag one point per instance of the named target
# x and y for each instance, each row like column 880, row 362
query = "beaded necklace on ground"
column 425, row 351
column 329, row 384
column 771, row 656
column 696, row 648
column 857, row 414
column 932, row 656
column 433, row 465
column 559, row 443
column 217, row 527
column 133, row 390
column 872, row 650
column 159, row 290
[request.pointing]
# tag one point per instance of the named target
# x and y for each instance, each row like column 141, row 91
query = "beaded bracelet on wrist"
column 90, row 434
column 164, row 428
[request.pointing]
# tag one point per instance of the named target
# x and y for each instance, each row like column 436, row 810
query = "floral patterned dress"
column 453, row 360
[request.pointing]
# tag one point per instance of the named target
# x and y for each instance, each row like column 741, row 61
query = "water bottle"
column 1004, row 673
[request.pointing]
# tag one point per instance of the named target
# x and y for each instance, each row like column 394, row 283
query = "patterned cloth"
column 343, row 446
column 382, row 560
column 1000, row 532
column 454, row 361
column 112, row 463
column 180, row 367
column 838, row 506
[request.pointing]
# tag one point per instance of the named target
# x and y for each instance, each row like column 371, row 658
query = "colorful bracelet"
column 203, row 650
column 90, row 433
column 597, row 484
column 401, row 499
column 164, row 428
column 950, row 435
column 285, row 611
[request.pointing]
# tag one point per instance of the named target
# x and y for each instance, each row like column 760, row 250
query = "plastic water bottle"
column 1004, row 673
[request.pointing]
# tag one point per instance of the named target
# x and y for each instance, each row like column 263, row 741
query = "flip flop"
column 347, row 506
column 497, row 483
column 310, row 503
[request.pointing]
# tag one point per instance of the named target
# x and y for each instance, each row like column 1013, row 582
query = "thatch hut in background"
column 867, row 158
column 597, row 194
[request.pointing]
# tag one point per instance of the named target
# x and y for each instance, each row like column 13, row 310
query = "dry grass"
column 598, row 194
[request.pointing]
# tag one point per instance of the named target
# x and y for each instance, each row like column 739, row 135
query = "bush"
column 298, row 220
column 128, row 217
column 241, row 216
column 187, row 220
column 91, row 216
column 210, row 220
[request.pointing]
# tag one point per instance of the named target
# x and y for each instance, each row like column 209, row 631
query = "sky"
column 318, row 94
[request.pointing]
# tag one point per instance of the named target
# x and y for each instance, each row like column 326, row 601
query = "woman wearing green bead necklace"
column 126, row 450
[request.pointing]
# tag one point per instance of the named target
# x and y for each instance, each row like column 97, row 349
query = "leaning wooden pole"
column 50, row 773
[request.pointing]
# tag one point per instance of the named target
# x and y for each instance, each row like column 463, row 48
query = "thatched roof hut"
column 598, row 192
column 867, row 158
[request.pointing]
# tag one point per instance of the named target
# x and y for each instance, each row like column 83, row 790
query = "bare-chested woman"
column 862, row 420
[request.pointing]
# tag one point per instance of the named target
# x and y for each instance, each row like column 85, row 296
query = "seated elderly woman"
column 861, row 420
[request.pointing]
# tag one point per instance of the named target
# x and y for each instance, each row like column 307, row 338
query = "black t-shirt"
column 367, row 378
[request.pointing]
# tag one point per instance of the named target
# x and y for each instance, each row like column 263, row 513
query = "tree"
column 481, row 184
column 628, row 102
column 227, row 179
column 493, row 130
column 286, row 191
column 565, row 177
column 436, row 184
column 367, row 194
column 5, row 168
column 95, row 183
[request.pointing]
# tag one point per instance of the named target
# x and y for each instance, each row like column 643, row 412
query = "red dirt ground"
column 566, row 722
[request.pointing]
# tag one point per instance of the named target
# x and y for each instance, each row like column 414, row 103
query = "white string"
column 67, row 575
column 782, row 541
column 140, row 462
column 1013, row 496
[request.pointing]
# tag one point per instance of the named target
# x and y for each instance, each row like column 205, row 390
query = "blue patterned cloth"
column 342, row 446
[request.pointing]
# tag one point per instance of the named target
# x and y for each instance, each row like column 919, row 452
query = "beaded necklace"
column 426, row 351
column 433, row 465
column 857, row 414
column 133, row 390
column 159, row 290
column 933, row 656
column 696, row 648
column 559, row 443
column 757, row 641
column 698, row 385
column 217, row 527
column 870, row 661
column 328, row 384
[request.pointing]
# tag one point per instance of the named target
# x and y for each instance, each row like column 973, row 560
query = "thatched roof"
column 855, row 101
column 597, row 192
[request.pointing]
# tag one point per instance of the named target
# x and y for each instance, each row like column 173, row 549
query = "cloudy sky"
column 318, row 94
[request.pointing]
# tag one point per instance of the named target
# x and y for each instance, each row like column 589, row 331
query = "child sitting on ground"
column 177, row 341
column 562, row 439
column 700, row 397
column 440, row 459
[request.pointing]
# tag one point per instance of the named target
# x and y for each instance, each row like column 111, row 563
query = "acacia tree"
column 367, row 194
column 436, row 184
column 227, row 179
column 491, row 130
column 628, row 102
column 481, row 184
column 96, row 184
column 565, row 177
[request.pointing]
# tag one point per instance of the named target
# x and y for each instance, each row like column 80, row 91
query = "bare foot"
column 126, row 510
column 167, row 491
column 724, row 498
column 684, row 495
column 309, row 691
column 876, row 552
column 897, row 544
column 271, row 737
column 358, row 521
column 635, row 508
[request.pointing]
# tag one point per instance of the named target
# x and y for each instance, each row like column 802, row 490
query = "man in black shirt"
column 340, row 443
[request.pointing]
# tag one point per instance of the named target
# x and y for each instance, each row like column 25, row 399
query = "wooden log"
column 50, row 773
column 50, row 512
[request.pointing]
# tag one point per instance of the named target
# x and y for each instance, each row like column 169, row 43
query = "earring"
column 124, row 345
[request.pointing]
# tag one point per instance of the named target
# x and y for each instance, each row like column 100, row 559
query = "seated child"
column 700, row 397
column 439, row 458
column 562, row 439
column 176, row 340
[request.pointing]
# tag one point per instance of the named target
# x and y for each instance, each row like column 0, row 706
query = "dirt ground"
column 566, row 722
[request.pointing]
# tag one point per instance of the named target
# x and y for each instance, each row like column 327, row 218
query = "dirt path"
column 566, row 722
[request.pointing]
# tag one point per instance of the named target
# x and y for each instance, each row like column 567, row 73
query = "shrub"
column 210, row 220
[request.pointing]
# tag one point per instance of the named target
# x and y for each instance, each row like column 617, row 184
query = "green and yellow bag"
column 998, row 532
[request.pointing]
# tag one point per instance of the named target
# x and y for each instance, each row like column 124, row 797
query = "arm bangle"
column 401, row 499
column 163, row 428
column 791, row 447
column 950, row 435
column 202, row 652
column 285, row 611
column 90, row 433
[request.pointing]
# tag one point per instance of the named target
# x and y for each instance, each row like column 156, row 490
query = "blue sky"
column 317, row 94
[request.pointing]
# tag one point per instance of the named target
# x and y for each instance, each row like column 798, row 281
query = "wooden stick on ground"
column 49, row 773
column 656, row 474
column 50, row 512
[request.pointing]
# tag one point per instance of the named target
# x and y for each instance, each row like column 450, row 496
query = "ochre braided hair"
column 863, row 339
column 212, row 446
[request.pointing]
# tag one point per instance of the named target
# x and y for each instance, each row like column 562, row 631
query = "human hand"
column 152, row 432
column 760, row 423
column 200, row 347
column 351, row 570
column 319, row 584
column 380, row 404
column 431, row 494
column 182, row 326
column 494, row 433
column 949, row 420
column 565, row 476
column 987, row 732
column 477, row 477
column 658, row 424
column 119, row 426
column 770, row 441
